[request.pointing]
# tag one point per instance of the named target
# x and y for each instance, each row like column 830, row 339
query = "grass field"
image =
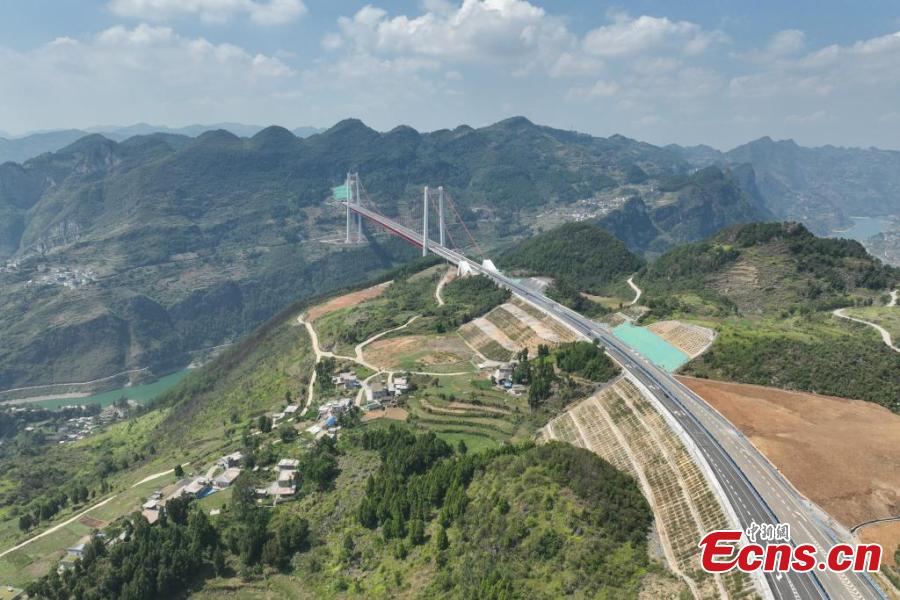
column 886, row 316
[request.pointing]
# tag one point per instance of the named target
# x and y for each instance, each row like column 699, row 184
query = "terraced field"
column 690, row 339
column 621, row 426
column 468, row 408
column 482, row 336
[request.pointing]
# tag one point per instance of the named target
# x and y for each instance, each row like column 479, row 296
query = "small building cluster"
column 64, row 276
column 348, row 380
column 289, row 412
column 285, row 484
column 381, row 394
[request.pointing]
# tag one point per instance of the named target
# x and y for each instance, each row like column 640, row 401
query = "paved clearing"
column 842, row 454
column 346, row 300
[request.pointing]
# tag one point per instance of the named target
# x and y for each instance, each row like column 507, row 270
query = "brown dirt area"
column 425, row 351
column 394, row 413
column 346, row 300
column 886, row 534
column 91, row 522
column 842, row 454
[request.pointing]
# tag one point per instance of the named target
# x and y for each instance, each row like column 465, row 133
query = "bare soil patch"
column 346, row 300
column 842, row 454
column 393, row 413
column 419, row 352
column 91, row 522
column 886, row 534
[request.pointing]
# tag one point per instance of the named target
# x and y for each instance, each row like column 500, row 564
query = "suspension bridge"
column 750, row 488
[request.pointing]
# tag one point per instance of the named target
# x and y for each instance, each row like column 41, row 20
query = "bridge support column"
column 349, row 200
column 425, row 222
column 359, row 237
column 441, row 214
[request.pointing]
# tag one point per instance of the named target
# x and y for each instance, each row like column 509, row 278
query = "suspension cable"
column 463, row 223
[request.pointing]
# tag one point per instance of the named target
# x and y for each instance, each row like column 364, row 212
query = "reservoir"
column 140, row 393
column 864, row 227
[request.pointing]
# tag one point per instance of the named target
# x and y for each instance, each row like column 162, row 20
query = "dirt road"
column 885, row 336
column 637, row 290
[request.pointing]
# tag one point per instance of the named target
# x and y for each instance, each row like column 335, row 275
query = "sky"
column 717, row 72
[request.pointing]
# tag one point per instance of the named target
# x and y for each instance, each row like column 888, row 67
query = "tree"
column 417, row 531
column 25, row 522
column 177, row 509
column 179, row 472
column 441, row 541
column 461, row 447
column 264, row 423
column 218, row 559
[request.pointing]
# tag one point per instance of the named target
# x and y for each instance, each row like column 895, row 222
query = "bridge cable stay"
column 452, row 204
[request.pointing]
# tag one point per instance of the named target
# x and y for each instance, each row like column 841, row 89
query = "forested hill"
column 769, row 290
column 581, row 253
column 139, row 253
column 771, row 267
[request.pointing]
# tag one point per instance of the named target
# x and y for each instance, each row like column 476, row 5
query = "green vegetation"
column 411, row 293
column 202, row 239
column 586, row 360
column 578, row 255
column 467, row 298
column 768, row 289
column 817, row 353
column 886, row 316
column 406, row 514
column 460, row 408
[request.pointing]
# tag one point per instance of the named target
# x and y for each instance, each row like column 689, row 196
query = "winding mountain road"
column 637, row 291
column 885, row 335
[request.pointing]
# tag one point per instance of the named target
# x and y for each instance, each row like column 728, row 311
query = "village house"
column 227, row 478
column 348, row 380
column 334, row 407
column 230, row 460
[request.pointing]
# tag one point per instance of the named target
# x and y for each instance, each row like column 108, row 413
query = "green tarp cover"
column 341, row 192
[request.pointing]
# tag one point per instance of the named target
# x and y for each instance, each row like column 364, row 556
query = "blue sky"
column 719, row 73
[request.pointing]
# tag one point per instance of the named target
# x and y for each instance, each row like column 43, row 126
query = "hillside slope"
column 213, row 234
column 769, row 290
column 581, row 253
column 385, row 511
column 820, row 187
column 687, row 208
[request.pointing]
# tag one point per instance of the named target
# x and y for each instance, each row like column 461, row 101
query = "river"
column 141, row 393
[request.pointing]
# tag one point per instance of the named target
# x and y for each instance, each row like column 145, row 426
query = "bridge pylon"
column 425, row 222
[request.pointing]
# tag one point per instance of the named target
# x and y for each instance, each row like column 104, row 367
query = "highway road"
column 755, row 489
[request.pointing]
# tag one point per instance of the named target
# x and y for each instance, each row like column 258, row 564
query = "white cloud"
column 476, row 32
column 782, row 44
column 630, row 36
column 262, row 12
column 143, row 73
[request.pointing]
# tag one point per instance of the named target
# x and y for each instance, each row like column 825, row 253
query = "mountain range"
column 820, row 187
column 139, row 253
column 21, row 148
